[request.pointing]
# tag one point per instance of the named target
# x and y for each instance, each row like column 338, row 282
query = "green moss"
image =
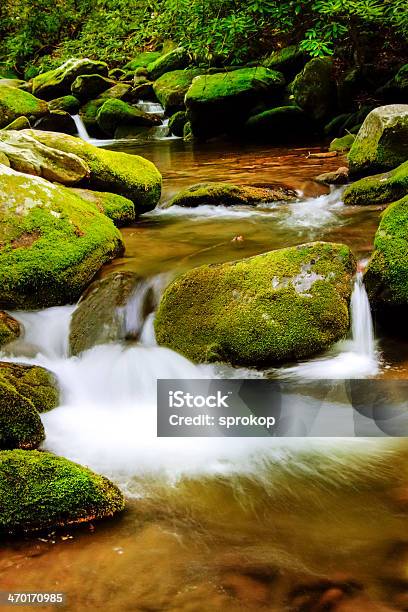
column 52, row 242
column 382, row 142
column 282, row 305
column 288, row 60
column 87, row 86
column 177, row 59
column 39, row 490
column 177, row 123
column 20, row 423
column 227, row 194
column 128, row 175
column 342, row 144
column 9, row 328
column 116, row 207
column 379, row 189
column 171, row 88
column 69, row 104
column 314, row 88
column 142, row 60
column 386, row 277
column 34, row 383
column 114, row 113
column 22, row 123
column 16, row 103
column 57, row 82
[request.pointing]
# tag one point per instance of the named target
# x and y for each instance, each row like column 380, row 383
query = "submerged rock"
column 222, row 102
column 34, row 383
column 111, row 310
column 128, row 175
column 171, row 88
column 314, row 89
column 52, row 242
column 115, row 113
column 26, row 154
column 280, row 124
column 337, row 177
column 16, row 103
column 57, row 82
column 379, row 189
column 278, row 306
column 9, row 328
column 39, row 490
column 386, row 277
column 116, row 207
column 177, row 59
column 227, row 194
column 382, row 142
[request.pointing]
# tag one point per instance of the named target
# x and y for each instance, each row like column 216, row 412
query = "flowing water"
column 222, row 523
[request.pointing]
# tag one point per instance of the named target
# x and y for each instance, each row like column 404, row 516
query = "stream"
column 219, row 523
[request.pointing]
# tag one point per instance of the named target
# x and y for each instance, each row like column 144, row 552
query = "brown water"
column 319, row 527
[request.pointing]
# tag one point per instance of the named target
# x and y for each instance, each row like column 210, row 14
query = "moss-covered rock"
column 314, row 89
column 16, row 103
column 343, row 144
column 289, row 60
column 39, row 490
column 57, row 82
column 88, row 86
column 20, row 422
column 114, row 113
column 101, row 314
column 187, row 132
column 9, row 328
column 52, row 242
column 222, row 102
column 142, row 60
column 382, row 142
column 13, row 83
column 379, row 189
column 177, row 123
column 128, row 175
column 57, row 121
column 280, row 124
column 22, row 123
column 69, row 104
column 177, row 59
column 116, row 207
column 34, row 383
column 227, row 194
column 26, row 154
column 386, row 277
column 274, row 307
column 171, row 88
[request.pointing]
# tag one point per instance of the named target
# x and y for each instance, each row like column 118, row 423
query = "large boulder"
column 115, row 113
column 128, row 175
column 177, row 59
column 57, row 82
column 278, row 306
column 177, row 123
column 20, row 422
column 89, row 111
column 25, row 154
column 382, row 142
column 289, row 60
column 68, row 104
column 281, row 124
column 171, row 88
column 106, row 312
column 21, row 123
column 227, row 194
column 116, row 207
column 34, row 383
column 386, row 277
column 220, row 103
column 314, row 89
column 52, row 242
column 57, row 121
column 15, row 103
column 88, row 86
column 9, row 328
column 379, row 189
column 39, row 490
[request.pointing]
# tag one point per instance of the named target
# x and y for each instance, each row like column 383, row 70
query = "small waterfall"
column 81, row 129
column 361, row 319
column 151, row 108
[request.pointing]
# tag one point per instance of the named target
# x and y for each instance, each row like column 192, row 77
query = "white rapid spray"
column 81, row 129
column 362, row 324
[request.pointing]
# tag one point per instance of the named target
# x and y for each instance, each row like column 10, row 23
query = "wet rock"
column 281, row 124
column 25, row 154
column 106, row 312
column 116, row 207
column 177, row 59
column 337, row 177
column 177, row 123
column 22, row 123
column 221, row 103
column 56, row 121
column 15, row 103
column 382, row 142
column 89, row 86
column 379, row 189
column 343, row 144
column 53, row 242
column 227, row 194
column 289, row 60
column 279, row 306
column 114, row 113
column 34, row 383
column 128, row 175
column 314, row 89
column 9, row 328
column 20, row 422
column 69, row 104
column 171, row 88
column 57, row 82
column 39, row 490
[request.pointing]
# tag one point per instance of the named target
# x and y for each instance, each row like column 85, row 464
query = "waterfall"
column 151, row 108
column 81, row 129
column 361, row 319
